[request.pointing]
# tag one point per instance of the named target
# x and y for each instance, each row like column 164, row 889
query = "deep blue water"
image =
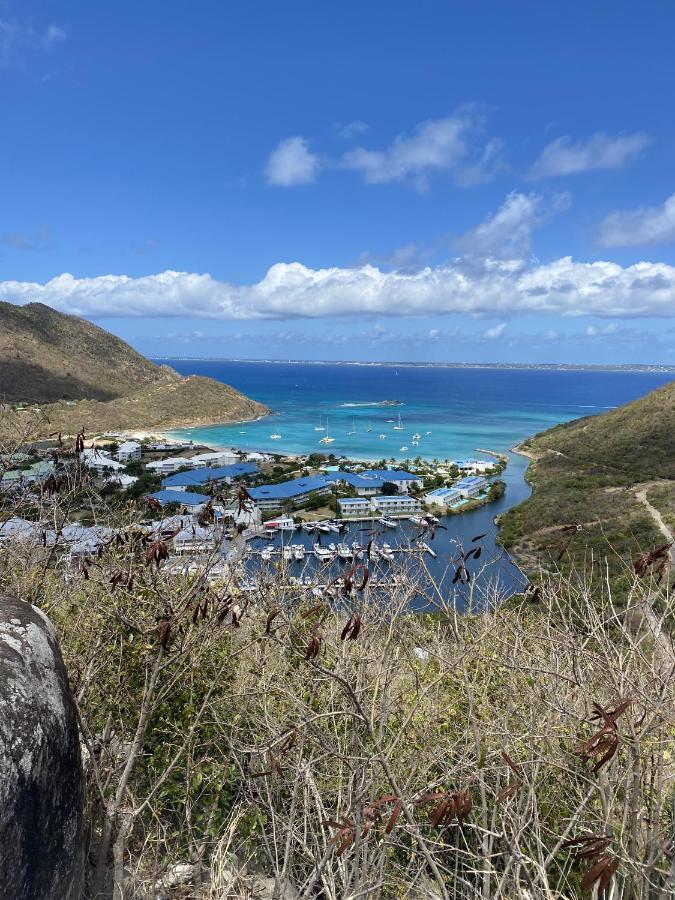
column 464, row 409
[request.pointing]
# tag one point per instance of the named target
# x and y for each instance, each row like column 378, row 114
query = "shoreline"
column 533, row 367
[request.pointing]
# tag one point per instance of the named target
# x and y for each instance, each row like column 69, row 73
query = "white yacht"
column 382, row 436
column 327, row 439
column 386, row 552
column 398, row 427
column 323, row 554
column 287, row 553
column 416, row 436
column 298, row 552
column 388, row 523
column 357, row 550
column 266, row 554
column 275, row 437
column 344, row 551
column 403, row 449
column 416, row 520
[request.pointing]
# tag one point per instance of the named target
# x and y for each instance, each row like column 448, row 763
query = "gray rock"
column 41, row 780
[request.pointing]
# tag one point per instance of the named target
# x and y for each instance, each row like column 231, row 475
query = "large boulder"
column 41, row 780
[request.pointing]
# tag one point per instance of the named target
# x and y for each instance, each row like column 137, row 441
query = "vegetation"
column 82, row 374
column 590, row 480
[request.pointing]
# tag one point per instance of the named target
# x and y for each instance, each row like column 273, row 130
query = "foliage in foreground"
column 348, row 748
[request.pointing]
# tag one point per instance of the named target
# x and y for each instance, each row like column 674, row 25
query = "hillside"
column 612, row 474
column 48, row 356
column 83, row 376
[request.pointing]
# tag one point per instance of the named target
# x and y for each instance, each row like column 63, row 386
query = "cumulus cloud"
column 291, row 163
column 647, row 225
column 498, row 287
column 437, row 145
column 564, row 156
column 508, row 232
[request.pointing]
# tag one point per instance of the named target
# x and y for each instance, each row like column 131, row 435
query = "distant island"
column 555, row 367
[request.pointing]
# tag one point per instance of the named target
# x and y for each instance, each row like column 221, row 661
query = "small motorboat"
column 388, row 523
column 275, row 437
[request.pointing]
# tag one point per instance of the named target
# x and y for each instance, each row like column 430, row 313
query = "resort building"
column 443, row 496
column 354, row 507
column 182, row 481
column 475, row 466
column 193, row 502
column 295, row 491
column 166, row 466
column 402, row 479
column 129, row 451
column 398, row 505
column 212, row 458
column 470, row 487
column 121, row 480
column 99, row 461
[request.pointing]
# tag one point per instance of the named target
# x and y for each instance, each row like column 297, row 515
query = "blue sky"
column 469, row 181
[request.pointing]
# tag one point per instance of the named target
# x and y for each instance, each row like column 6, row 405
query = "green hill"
column 83, row 376
column 613, row 475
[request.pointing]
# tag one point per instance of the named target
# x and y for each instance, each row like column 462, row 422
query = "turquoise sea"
column 463, row 409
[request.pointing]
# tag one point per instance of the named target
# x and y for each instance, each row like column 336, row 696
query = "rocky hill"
column 83, row 376
column 612, row 475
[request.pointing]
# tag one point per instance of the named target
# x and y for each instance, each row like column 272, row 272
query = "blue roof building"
column 182, row 480
column 271, row 496
column 183, row 498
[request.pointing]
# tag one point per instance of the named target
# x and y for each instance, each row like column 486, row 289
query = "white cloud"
column 350, row 130
column 564, row 156
column 17, row 37
column 494, row 287
column 437, row 145
column 647, row 225
column 496, row 332
column 508, row 232
column 292, row 163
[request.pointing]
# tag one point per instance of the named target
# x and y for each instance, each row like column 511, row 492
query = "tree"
column 389, row 489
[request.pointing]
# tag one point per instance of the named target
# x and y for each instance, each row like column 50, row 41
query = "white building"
column 121, row 480
column 354, row 507
column 398, row 505
column 129, row 451
column 213, row 458
column 99, row 461
column 166, row 466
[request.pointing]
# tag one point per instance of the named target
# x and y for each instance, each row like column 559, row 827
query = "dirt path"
column 640, row 491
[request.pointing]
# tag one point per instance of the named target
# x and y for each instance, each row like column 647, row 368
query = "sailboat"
column 398, row 427
column 319, row 427
column 327, row 439
column 369, row 428
column 353, row 431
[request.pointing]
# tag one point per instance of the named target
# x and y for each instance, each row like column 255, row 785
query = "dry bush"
column 345, row 748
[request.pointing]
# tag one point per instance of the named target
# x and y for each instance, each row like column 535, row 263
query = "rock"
column 41, row 780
